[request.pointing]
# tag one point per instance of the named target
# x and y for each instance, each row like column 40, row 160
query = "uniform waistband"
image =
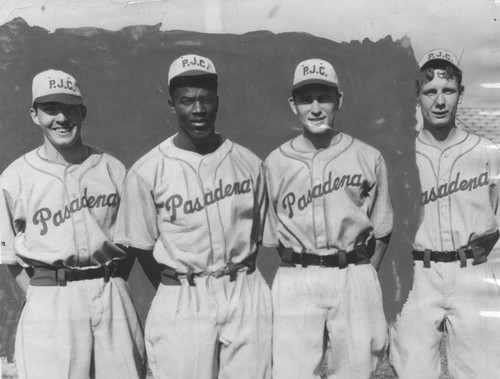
column 45, row 276
column 478, row 249
column 341, row 259
column 171, row 277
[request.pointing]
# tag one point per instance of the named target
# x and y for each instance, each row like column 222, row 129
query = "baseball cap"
column 315, row 71
column 191, row 65
column 442, row 55
column 55, row 86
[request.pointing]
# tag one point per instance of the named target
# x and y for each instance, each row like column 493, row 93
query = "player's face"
column 438, row 100
column 196, row 110
column 61, row 123
column 315, row 105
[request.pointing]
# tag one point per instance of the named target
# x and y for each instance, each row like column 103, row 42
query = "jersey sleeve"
column 270, row 238
column 136, row 223
column 381, row 214
column 12, row 219
column 493, row 152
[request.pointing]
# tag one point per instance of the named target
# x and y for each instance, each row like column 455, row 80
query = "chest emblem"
column 454, row 186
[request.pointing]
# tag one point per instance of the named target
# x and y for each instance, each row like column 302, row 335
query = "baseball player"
column 330, row 217
column 197, row 202
column 455, row 290
column 58, row 206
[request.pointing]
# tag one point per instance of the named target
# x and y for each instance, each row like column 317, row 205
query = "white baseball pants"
column 464, row 303
column 346, row 304
column 86, row 329
column 215, row 329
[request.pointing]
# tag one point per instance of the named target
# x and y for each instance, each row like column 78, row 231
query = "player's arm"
column 270, row 232
column 9, row 228
column 380, row 249
column 136, row 229
column 20, row 276
column 381, row 214
column 260, row 206
column 151, row 268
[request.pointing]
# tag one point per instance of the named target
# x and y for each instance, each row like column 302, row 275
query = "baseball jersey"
column 60, row 214
column 194, row 211
column 459, row 190
column 333, row 198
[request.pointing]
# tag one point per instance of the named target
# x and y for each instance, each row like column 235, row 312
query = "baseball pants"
column 464, row 303
column 86, row 329
column 215, row 329
column 346, row 304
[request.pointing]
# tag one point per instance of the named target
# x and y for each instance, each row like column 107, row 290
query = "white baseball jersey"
column 184, row 206
column 323, row 201
column 459, row 199
column 459, row 190
column 60, row 215
column 335, row 198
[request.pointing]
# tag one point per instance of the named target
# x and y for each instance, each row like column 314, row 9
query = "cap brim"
column 194, row 73
column 314, row 81
column 62, row 98
column 442, row 62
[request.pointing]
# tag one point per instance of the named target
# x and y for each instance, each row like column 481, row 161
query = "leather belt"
column 442, row 256
column 170, row 276
column 45, row 276
column 341, row 259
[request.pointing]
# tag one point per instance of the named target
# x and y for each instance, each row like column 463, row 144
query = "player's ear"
column 171, row 105
column 83, row 109
column 34, row 116
column 291, row 101
column 461, row 96
column 340, row 98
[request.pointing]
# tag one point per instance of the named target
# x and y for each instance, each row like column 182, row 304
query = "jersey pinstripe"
column 459, row 190
column 335, row 198
column 184, row 206
column 60, row 215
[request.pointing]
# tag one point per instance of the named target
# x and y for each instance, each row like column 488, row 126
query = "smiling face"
column 60, row 123
column 316, row 105
column 196, row 110
column 438, row 99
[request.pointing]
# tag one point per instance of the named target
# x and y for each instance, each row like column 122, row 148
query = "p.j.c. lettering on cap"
column 195, row 61
column 62, row 83
column 314, row 69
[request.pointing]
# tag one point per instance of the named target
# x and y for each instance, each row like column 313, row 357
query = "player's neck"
column 440, row 134
column 202, row 146
column 319, row 141
column 75, row 154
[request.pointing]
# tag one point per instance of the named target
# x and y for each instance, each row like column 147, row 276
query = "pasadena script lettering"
column 456, row 185
column 176, row 202
column 43, row 215
column 319, row 190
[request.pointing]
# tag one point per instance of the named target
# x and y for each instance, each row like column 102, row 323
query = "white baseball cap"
column 191, row 65
column 55, row 86
column 315, row 71
column 438, row 55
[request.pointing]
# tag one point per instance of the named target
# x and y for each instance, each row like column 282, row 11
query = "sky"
column 469, row 28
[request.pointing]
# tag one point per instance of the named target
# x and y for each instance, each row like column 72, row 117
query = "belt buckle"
column 321, row 261
column 109, row 270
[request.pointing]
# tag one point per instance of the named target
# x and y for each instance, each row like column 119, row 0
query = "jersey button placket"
column 317, row 205
column 77, row 217
column 212, row 211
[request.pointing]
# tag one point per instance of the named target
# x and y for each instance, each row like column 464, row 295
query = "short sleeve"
column 12, row 220
column 270, row 237
column 381, row 214
column 137, row 220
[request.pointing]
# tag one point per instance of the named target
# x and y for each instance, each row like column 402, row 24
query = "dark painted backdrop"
column 122, row 75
